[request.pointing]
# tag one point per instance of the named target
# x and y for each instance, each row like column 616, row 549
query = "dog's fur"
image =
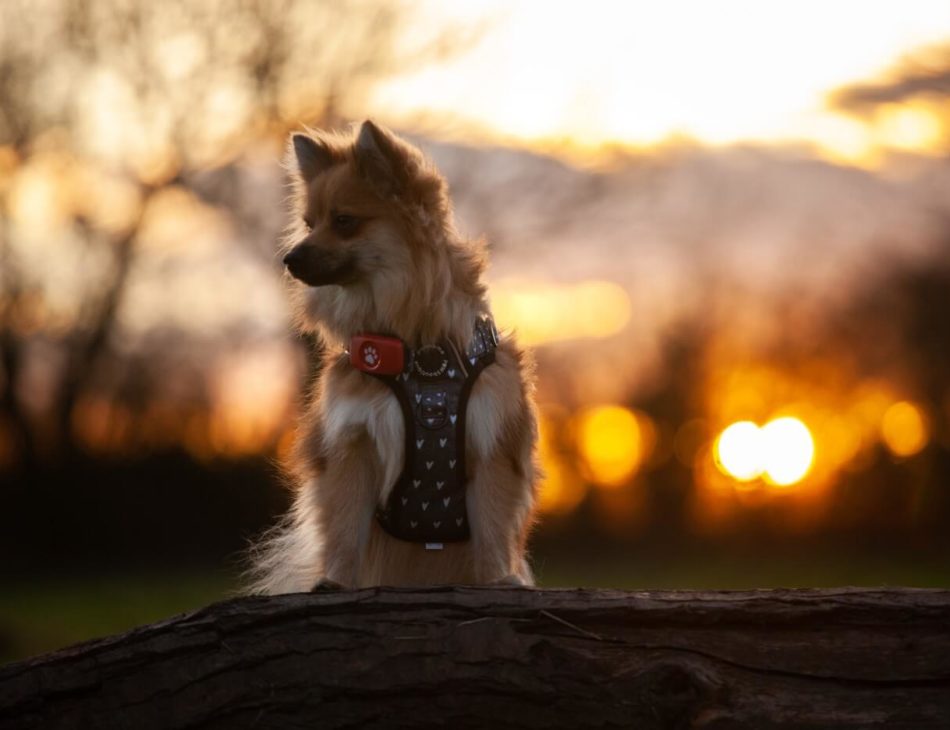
column 374, row 249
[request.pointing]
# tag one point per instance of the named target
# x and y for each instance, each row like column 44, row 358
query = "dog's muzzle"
column 317, row 267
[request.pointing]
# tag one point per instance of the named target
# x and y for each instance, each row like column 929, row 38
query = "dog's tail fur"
column 288, row 557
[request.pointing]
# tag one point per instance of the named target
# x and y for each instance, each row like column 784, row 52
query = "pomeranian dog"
column 414, row 462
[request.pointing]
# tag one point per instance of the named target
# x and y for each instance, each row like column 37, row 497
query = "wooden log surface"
column 461, row 657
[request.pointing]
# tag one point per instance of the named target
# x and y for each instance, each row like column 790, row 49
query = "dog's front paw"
column 325, row 585
column 509, row 580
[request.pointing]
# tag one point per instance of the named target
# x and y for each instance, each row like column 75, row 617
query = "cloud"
column 925, row 72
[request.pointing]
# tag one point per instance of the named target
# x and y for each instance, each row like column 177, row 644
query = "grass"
column 46, row 613
column 729, row 571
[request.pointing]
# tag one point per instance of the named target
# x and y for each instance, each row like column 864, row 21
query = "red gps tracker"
column 377, row 354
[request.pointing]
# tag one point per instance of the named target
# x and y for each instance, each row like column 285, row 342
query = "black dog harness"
column 432, row 384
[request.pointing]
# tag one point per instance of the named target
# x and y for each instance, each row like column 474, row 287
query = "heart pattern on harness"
column 432, row 403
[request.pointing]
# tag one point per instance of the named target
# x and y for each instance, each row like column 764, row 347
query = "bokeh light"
column 905, row 429
column 782, row 451
column 788, row 451
column 610, row 439
column 739, row 451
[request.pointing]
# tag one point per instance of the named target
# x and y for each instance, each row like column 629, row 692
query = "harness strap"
column 432, row 384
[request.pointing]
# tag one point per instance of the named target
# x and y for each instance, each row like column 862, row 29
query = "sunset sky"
column 578, row 256
column 639, row 73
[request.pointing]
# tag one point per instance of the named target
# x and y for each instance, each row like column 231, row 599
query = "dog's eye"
column 345, row 225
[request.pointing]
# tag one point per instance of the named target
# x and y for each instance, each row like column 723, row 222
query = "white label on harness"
column 433, row 546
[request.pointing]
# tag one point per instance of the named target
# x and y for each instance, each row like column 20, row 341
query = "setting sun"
column 788, row 451
column 739, row 451
column 781, row 452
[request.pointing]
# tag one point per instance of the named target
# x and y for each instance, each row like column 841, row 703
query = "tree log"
column 462, row 657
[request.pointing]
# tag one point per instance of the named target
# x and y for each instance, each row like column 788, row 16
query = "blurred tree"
column 900, row 324
column 104, row 104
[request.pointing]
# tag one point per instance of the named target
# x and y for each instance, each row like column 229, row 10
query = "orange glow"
column 905, row 429
column 252, row 394
column 612, row 441
column 913, row 126
column 551, row 312
column 560, row 494
column 782, row 451
column 843, row 414
column 561, row 491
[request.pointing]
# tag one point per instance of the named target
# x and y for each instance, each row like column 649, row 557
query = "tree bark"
column 462, row 657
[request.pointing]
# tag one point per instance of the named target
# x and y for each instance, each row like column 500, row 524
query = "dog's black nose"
column 294, row 260
column 292, row 257
column 316, row 267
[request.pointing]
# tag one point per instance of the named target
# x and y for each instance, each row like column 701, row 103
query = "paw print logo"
column 370, row 356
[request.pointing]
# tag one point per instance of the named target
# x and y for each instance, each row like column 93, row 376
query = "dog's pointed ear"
column 313, row 156
column 382, row 159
